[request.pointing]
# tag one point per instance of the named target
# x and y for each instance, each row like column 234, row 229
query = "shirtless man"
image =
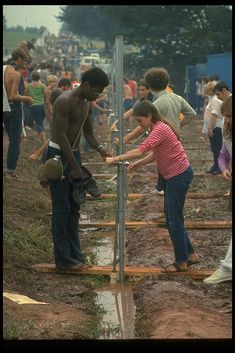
column 71, row 114
column 127, row 101
column 14, row 85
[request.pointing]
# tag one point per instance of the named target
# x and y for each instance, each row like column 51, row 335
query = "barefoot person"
column 71, row 116
column 172, row 162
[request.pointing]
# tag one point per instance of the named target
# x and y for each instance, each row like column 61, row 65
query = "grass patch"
column 15, row 329
column 11, row 40
column 32, row 243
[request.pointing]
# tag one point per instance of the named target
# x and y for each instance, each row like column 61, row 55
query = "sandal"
column 175, row 267
column 190, row 262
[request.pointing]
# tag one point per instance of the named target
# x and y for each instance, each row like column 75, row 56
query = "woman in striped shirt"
column 166, row 150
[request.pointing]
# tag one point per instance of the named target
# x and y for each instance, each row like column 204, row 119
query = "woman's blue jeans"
column 174, row 200
column 65, row 218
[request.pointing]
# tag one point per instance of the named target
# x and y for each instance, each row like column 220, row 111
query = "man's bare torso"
column 11, row 75
column 70, row 110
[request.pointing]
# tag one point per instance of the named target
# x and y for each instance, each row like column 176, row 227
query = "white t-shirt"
column 213, row 107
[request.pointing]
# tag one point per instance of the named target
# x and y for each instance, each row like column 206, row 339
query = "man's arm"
column 126, row 115
column 133, row 134
column 188, row 112
column 89, row 133
column 186, row 121
column 91, row 138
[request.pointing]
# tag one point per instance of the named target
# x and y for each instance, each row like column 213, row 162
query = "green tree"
column 90, row 21
column 172, row 36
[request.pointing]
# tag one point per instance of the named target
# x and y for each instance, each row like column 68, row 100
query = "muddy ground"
column 167, row 307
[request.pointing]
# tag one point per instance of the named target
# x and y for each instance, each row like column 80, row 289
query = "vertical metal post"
column 120, row 173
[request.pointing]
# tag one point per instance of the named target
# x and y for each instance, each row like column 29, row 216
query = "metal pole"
column 121, row 171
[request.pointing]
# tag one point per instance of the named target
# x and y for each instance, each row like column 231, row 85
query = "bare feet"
column 79, row 266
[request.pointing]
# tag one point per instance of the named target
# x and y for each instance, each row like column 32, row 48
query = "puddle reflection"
column 119, row 318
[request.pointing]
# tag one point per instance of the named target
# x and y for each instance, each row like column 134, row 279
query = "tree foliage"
column 90, row 21
column 172, row 36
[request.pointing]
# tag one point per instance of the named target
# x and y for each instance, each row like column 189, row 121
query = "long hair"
column 146, row 107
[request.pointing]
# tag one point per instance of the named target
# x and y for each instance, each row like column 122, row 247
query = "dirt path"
column 167, row 307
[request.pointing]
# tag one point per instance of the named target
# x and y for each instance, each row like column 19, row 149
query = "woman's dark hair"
column 144, row 108
column 95, row 77
column 143, row 83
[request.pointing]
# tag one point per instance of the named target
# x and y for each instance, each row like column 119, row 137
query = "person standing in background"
column 36, row 90
column 14, row 86
column 224, row 271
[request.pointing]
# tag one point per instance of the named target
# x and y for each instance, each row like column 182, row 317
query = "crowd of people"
column 70, row 111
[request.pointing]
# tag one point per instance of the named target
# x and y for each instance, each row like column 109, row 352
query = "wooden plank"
column 201, row 148
column 128, row 271
column 189, row 195
column 207, row 175
column 196, row 144
column 202, row 142
column 201, row 162
column 206, row 195
column 114, row 196
column 103, row 176
column 161, row 224
column 93, row 163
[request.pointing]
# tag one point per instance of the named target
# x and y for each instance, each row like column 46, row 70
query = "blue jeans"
column 127, row 104
column 38, row 115
column 216, row 142
column 174, row 199
column 13, row 125
column 28, row 121
column 65, row 218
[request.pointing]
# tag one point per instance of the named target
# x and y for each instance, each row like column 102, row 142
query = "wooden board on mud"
column 161, row 224
column 189, row 195
column 128, row 271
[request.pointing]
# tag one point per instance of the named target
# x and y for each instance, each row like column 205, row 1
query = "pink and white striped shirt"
column 168, row 151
